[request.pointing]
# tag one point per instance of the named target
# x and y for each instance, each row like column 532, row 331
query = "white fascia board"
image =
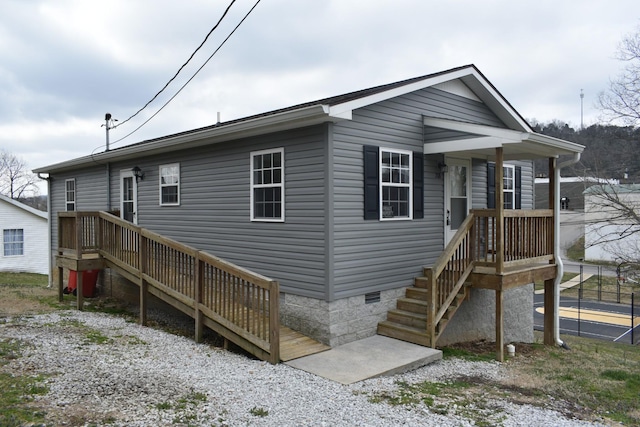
column 339, row 110
column 472, row 128
column 467, row 144
column 559, row 144
column 306, row 116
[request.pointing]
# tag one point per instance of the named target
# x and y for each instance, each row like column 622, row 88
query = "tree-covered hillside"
column 611, row 151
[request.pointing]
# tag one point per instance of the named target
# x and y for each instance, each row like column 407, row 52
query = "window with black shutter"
column 393, row 184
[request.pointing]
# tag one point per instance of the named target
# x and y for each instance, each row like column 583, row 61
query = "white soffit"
column 457, row 87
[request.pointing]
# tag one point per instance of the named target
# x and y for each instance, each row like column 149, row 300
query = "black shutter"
column 418, row 185
column 491, row 185
column 518, row 185
column 371, row 182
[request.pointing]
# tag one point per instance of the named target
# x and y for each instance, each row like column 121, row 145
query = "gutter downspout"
column 49, row 225
column 556, row 249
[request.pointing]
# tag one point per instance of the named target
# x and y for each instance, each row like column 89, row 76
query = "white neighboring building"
column 608, row 237
column 23, row 231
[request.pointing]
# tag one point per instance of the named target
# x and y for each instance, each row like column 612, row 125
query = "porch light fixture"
column 442, row 169
column 137, row 172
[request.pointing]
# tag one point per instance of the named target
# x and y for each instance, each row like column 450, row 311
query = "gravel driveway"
column 104, row 370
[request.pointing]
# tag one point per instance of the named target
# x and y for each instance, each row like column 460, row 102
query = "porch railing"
column 240, row 305
column 527, row 238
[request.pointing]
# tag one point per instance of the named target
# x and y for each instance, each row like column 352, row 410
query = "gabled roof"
column 24, row 207
column 336, row 108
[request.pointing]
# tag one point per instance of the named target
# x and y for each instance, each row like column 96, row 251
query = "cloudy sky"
column 65, row 63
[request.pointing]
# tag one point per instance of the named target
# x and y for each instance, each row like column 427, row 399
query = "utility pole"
column 108, row 125
column 581, row 110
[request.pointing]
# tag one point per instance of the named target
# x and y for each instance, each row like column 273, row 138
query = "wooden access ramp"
column 238, row 304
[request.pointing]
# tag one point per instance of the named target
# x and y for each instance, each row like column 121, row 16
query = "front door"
column 457, row 193
column 128, row 197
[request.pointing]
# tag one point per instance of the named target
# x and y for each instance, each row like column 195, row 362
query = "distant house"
column 610, row 235
column 346, row 202
column 25, row 246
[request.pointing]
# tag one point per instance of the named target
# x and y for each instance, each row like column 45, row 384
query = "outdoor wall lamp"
column 137, row 172
column 442, row 169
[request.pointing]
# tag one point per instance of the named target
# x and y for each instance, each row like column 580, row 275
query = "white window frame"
column 67, row 202
column 13, row 243
column 279, row 185
column 505, row 182
column 408, row 185
column 161, row 185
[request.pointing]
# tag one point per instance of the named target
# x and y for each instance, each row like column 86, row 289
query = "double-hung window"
column 395, row 184
column 267, row 185
column 70, row 194
column 13, row 240
column 170, row 185
column 509, row 186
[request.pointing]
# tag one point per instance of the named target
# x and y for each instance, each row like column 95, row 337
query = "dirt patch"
column 20, row 299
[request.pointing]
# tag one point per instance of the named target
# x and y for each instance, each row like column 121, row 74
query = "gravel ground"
column 107, row 371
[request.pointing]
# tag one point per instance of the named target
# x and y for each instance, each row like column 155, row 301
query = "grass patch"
column 258, row 412
column 449, row 352
column 23, row 279
column 604, row 288
column 95, row 337
column 575, row 252
column 593, row 380
column 18, row 391
column 603, row 376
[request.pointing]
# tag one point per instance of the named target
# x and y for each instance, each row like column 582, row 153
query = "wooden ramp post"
column 499, row 325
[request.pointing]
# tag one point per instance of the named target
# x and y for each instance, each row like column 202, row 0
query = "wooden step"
column 403, row 332
column 411, row 304
column 421, row 282
column 408, row 318
column 417, row 293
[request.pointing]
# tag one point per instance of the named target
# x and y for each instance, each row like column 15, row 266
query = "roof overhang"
column 306, row 116
column 480, row 141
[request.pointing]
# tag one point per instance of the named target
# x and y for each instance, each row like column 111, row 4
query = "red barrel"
column 89, row 279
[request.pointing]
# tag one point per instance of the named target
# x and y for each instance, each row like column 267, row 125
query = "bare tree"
column 16, row 181
column 612, row 207
column 621, row 102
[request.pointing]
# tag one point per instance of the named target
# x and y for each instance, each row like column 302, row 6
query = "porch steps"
column 408, row 321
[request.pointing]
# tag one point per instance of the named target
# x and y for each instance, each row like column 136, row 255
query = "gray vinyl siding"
column 214, row 211
column 378, row 255
column 91, row 194
column 479, row 183
column 527, row 182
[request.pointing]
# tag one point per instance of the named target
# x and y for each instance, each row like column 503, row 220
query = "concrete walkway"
column 575, row 281
column 371, row 357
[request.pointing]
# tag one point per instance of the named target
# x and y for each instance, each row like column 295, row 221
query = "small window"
column 395, row 184
column 13, row 240
column 267, row 185
column 509, row 186
column 170, row 185
column 70, row 194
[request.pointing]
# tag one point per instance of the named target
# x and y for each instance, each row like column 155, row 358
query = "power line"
column 192, row 77
column 181, row 68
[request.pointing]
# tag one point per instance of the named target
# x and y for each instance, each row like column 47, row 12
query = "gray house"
column 424, row 184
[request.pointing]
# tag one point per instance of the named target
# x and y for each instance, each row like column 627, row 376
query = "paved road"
column 592, row 319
